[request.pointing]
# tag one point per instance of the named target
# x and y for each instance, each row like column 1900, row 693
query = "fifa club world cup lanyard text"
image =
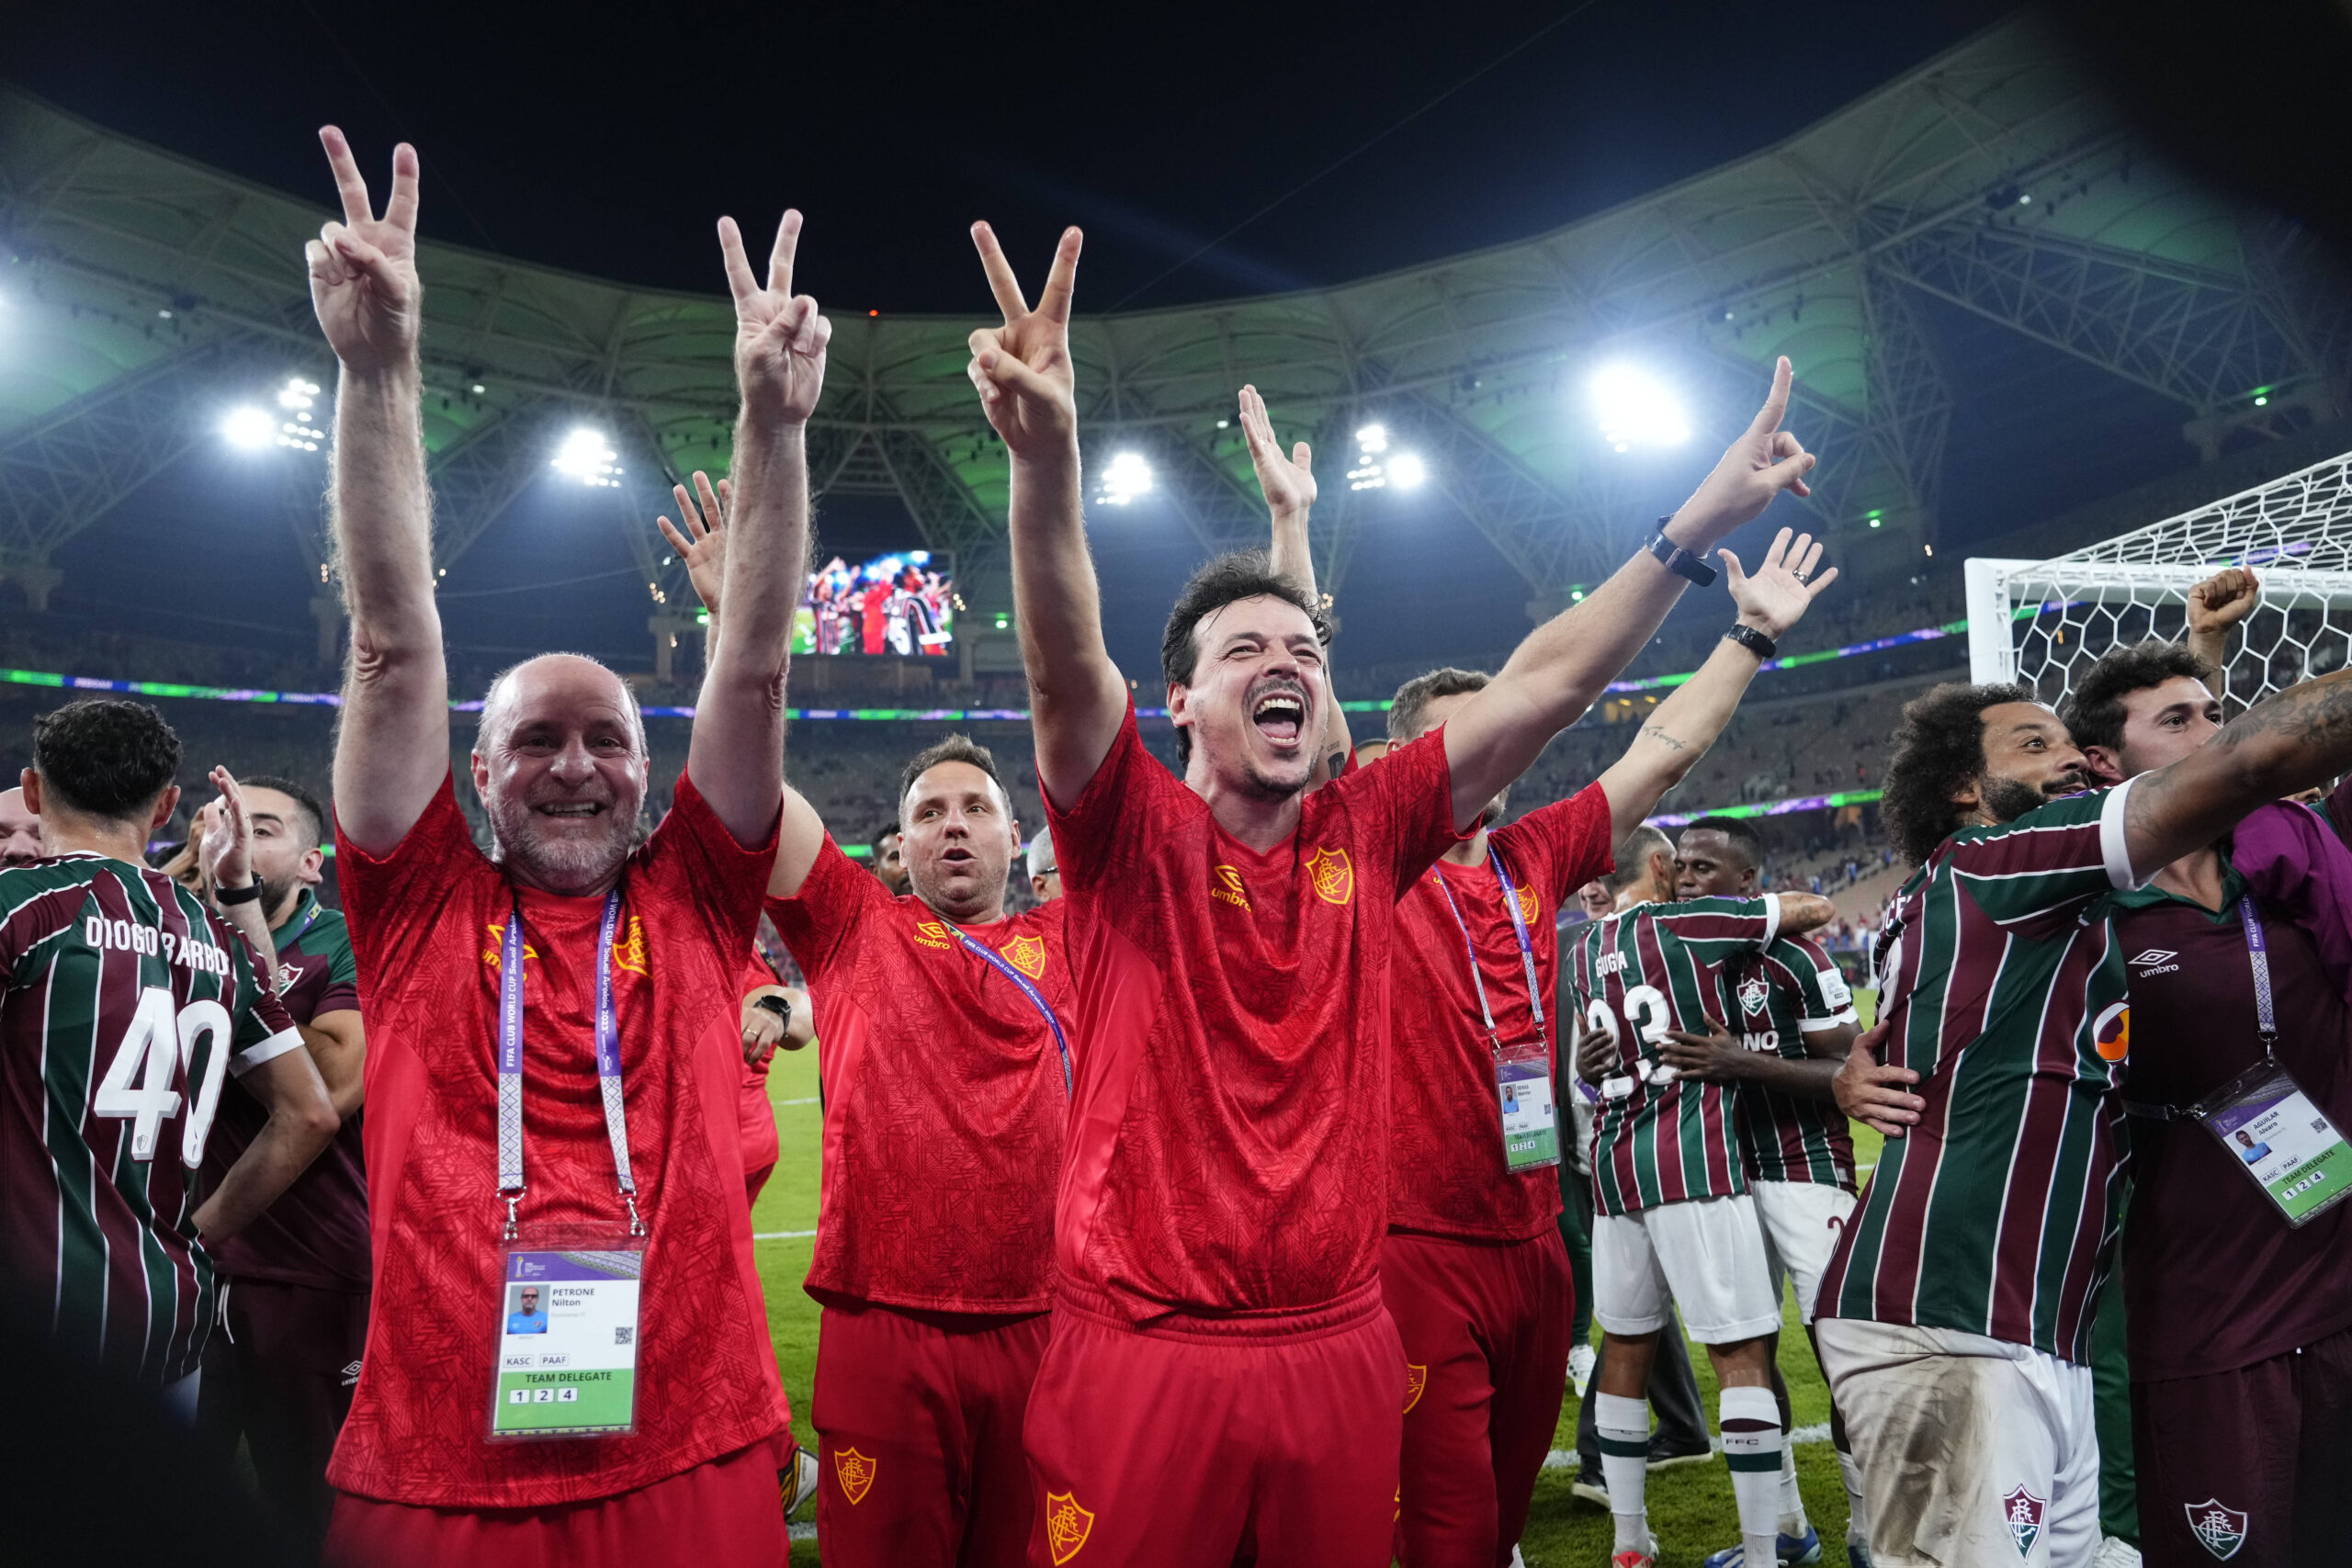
column 1531, row 1128
column 567, row 1312
column 2270, row 1128
column 1036, row 998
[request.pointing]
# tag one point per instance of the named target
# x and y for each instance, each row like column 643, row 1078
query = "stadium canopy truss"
column 140, row 285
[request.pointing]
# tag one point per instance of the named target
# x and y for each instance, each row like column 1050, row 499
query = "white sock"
column 1624, row 1426
column 1750, row 1420
column 1857, row 1514
column 1793, row 1520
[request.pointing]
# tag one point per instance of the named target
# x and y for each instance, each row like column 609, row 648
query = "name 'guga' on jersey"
column 127, row 1005
column 1654, row 968
column 1998, row 1214
column 1773, row 998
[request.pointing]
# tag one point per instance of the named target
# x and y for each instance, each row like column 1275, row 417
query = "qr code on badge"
column 625, row 1335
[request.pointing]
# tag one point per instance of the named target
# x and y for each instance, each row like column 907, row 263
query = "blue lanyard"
column 1526, row 948
column 2258, row 954
column 510, row 1063
column 1035, row 998
column 308, row 922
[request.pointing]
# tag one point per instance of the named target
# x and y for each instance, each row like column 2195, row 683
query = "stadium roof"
column 1989, row 181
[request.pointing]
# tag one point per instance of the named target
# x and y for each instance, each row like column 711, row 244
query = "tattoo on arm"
column 1651, row 731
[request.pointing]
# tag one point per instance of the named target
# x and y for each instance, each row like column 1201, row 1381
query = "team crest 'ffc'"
column 2219, row 1530
column 1528, row 908
column 630, row 951
column 1334, row 875
column 1416, row 1380
column 1754, row 993
column 1027, row 953
column 1067, row 1525
column 2022, row 1512
column 497, row 943
column 855, row 1472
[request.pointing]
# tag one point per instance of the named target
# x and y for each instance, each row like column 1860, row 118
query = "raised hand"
column 1777, row 597
column 779, row 337
column 2223, row 600
column 1762, row 463
column 1022, row 369
column 1288, row 484
column 704, row 545
column 363, row 270
column 226, row 833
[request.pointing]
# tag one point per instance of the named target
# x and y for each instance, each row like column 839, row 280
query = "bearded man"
column 551, row 1081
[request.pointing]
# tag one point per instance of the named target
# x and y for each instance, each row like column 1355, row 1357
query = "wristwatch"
column 1756, row 642
column 1677, row 560
column 245, row 895
column 779, row 1006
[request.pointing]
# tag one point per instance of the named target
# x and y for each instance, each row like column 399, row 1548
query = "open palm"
column 1777, row 597
column 779, row 336
column 1022, row 369
column 1288, row 484
column 703, row 542
column 363, row 270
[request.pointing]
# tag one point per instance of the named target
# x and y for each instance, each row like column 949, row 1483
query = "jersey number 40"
column 159, row 1046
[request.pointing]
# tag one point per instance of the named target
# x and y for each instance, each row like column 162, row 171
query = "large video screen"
column 902, row 603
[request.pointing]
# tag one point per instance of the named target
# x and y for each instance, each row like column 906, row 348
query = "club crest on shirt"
column 2218, row 1528
column 854, row 1471
column 630, row 951
column 1225, row 887
column 1333, row 875
column 1528, row 908
column 1067, row 1526
column 1416, row 1380
column 288, row 976
column 2022, row 1512
column 1026, row 953
column 931, row 934
column 498, row 942
column 1754, row 993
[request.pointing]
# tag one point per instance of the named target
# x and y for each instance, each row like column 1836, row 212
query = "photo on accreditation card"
column 526, row 1311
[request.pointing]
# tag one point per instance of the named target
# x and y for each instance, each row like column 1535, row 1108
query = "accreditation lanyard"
column 309, row 921
column 2285, row 1144
column 1036, row 998
column 1523, row 1072
column 510, row 1063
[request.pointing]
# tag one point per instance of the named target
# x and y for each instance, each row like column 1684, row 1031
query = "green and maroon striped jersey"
column 1637, row 974
column 1998, row 1214
column 124, row 1004
column 1771, row 998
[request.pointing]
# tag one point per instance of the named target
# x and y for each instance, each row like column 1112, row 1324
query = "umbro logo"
column 351, row 1375
column 2152, row 956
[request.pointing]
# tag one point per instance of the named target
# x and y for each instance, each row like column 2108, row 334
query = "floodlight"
column 586, row 455
column 1407, row 471
column 1127, row 476
column 249, row 427
column 1637, row 410
column 1372, row 438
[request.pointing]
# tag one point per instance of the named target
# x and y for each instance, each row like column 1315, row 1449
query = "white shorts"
column 1704, row 1255
column 1802, row 1221
column 1975, row 1452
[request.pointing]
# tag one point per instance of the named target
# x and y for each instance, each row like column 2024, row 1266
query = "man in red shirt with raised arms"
column 1222, row 1379
column 551, row 1073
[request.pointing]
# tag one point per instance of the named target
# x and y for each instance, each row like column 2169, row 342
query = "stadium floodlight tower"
column 2044, row 623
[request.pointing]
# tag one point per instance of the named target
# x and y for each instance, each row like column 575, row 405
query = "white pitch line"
column 810, row 1101
column 780, row 1235
column 1566, row 1458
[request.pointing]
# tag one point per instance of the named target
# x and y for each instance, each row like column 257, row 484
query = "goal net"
column 2042, row 622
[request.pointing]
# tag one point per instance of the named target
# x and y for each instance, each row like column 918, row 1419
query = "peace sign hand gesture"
column 363, row 270
column 1288, row 484
column 779, row 337
column 1023, row 369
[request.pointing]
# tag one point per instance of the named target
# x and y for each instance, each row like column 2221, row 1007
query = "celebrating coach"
column 551, row 1081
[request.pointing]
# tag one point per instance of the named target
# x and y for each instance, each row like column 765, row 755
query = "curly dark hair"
column 1938, row 748
column 950, row 749
column 1415, row 695
column 105, row 757
column 1227, row 579
column 2094, row 709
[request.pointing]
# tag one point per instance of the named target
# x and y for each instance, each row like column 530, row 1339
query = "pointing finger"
column 1001, row 283
column 1061, row 279
column 788, row 244
column 1776, row 403
column 739, row 270
column 348, row 183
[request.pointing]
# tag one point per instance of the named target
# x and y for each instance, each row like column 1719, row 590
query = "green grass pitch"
column 1691, row 1506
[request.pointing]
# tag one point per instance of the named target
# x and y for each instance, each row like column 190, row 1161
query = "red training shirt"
column 945, row 1107
column 1446, row 1173
column 426, row 920
column 1228, row 1147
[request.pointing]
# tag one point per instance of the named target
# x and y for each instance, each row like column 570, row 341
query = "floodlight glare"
column 585, row 457
column 1372, row 438
column 249, row 427
column 1127, row 476
column 1636, row 410
column 1407, row 471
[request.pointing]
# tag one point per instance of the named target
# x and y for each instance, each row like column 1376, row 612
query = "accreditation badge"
column 567, row 1334
column 1530, row 1123
column 2285, row 1144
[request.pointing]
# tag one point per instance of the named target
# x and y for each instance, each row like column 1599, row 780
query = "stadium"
column 2055, row 380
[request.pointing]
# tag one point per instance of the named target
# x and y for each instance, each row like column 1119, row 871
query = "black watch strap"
column 245, row 895
column 1756, row 642
column 1677, row 560
column 780, row 1006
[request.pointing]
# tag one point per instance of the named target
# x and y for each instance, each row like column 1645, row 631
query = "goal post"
column 2042, row 622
